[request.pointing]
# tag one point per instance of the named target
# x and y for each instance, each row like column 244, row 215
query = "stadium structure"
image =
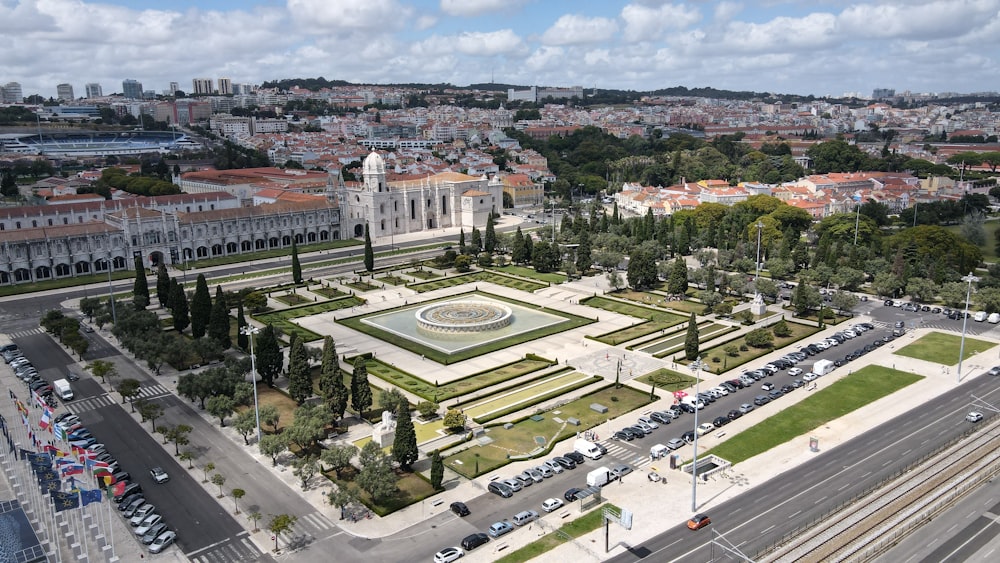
column 102, row 143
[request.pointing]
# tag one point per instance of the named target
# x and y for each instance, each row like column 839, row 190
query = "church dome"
column 373, row 165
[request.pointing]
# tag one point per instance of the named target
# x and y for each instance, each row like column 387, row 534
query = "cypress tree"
column 691, row 340
column 242, row 340
column 361, row 393
column 490, row 243
column 404, row 444
column 268, row 353
column 140, row 289
column 677, row 280
column 477, row 240
column 296, row 266
column 299, row 381
column 162, row 286
column 218, row 323
column 518, row 254
column 369, row 253
column 331, row 381
column 201, row 307
column 584, row 257
column 461, row 240
column 179, row 306
column 437, row 470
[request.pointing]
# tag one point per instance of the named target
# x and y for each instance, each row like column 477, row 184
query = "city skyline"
column 782, row 46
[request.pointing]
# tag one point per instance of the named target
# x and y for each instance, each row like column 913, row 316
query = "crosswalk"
column 239, row 548
column 307, row 528
column 24, row 333
column 107, row 399
column 629, row 454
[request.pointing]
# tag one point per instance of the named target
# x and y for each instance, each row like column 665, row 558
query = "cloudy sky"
column 788, row 46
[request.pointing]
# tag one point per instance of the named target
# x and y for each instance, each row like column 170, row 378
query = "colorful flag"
column 94, row 464
column 83, row 455
column 117, row 489
column 20, row 406
column 73, row 469
column 108, row 480
column 58, row 431
column 47, row 475
column 49, row 485
column 24, row 453
column 64, row 501
column 61, row 461
column 46, row 421
column 88, row 497
column 38, row 399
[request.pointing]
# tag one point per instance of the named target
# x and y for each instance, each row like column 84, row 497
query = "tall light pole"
column 760, row 227
column 696, row 366
column 857, row 222
column 965, row 321
column 251, row 331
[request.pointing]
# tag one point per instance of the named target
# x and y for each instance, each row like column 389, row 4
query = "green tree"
column 103, row 369
column 219, row 480
column 759, row 338
column 207, row 468
column 246, row 424
column 369, row 253
column 178, row 435
column 691, row 339
column 437, row 470
column 519, row 252
column 427, row 409
column 270, row 416
column 299, row 381
column 490, row 242
column 296, row 266
column 280, row 524
column 272, row 445
column 269, row 357
column 641, row 271
column 361, row 392
column 162, row 285
column 341, row 497
column 454, row 419
column 404, row 444
column 140, row 289
column 220, row 406
column 150, row 411
column 781, row 329
column 218, row 324
column 339, row 457
column 129, row 390
column 305, row 468
column 921, row 289
column 179, row 306
column 201, row 307
column 844, row 301
column 237, row 495
column 376, row 476
column 242, row 340
column 805, row 297
column 391, row 399
column 477, row 241
column 677, row 280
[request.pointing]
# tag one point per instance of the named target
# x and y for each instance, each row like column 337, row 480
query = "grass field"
column 436, row 355
column 283, row 319
column 667, row 379
column 862, row 387
column 490, row 276
column 410, row 489
column 799, row 331
column 706, row 332
column 521, row 438
column 656, row 319
column 942, row 348
column 571, row 530
column 437, row 393
column 550, row 277
column 526, row 395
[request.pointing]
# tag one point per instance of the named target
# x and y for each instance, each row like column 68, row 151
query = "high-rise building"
column 201, row 86
column 883, row 93
column 132, row 89
column 10, row 93
column 94, row 90
column 174, row 87
column 65, row 92
column 225, row 87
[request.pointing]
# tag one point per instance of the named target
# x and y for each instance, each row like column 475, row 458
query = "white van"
column 525, row 517
column 693, row 401
column 994, row 318
column 980, row 316
column 587, row 448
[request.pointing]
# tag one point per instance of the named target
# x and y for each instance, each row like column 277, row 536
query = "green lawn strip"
column 522, row 395
column 550, row 277
column 392, row 280
column 424, row 274
column 657, row 319
column 283, row 319
column 497, row 278
column 562, row 391
column 291, row 299
column 520, row 438
column 942, row 348
column 329, row 292
column 675, row 338
column 647, row 343
column 572, row 321
column 568, row 531
column 799, row 331
column 667, row 379
column 61, row 283
column 411, row 488
column 469, row 384
column 854, row 391
column 702, row 338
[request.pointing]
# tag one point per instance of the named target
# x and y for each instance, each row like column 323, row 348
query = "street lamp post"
column 760, row 227
column 251, row 331
column 696, row 366
column 111, row 291
column 965, row 321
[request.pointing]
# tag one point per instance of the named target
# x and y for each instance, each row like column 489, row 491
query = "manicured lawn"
column 436, row 393
column 667, row 379
column 411, row 488
column 328, row 292
column 392, row 280
column 526, row 395
column 799, row 331
column 283, row 319
column 658, row 300
column 864, row 386
column 483, row 276
column 942, row 348
column 551, row 277
column 706, row 332
column 657, row 319
column 436, row 355
column 291, row 299
column 424, row 274
column 582, row 525
column 46, row 285
column 521, row 438
column 362, row 286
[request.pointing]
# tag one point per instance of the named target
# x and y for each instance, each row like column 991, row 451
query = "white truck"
column 587, row 448
column 598, row 477
column 63, row 389
column 823, row 367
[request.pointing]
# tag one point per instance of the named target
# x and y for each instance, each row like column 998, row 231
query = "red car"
column 699, row 521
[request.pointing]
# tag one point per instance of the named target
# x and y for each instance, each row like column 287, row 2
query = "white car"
column 974, row 416
column 648, row 422
column 832, row 342
column 145, row 525
column 554, row 466
column 810, row 377
column 705, row 428
column 794, row 372
column 545, row 470
column 162, row 541
column 448, row 554
column 141, row 514
column 551, row 504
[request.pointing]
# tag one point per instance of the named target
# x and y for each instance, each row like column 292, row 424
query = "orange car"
column 699, row 521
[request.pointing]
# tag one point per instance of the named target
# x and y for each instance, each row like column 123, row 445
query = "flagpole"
column 55, row 544
column 79, row 499
column 111, row 529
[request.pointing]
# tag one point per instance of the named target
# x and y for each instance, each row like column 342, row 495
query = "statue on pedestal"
column 385, row 432
column 758, row 307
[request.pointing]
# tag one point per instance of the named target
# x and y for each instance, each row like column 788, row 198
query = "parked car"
column 154, row 533
column 548, row 505
column 720, row 421
column 554, row 466
column 500, row 489
column 734, row 414
column 448, row 554
column 746, row 407
column 974, row 416
column 761, row 400
column 514, row 484
column 623, row 435
column 162, row 541
column 661, row 417
column 570, row 494
column 139, row 513
column 148, row 523
column 460, row 508
column 545, row 471
column 472, row 541
column 620, row 470
column 525, row 479
column 577, row 457
column 498, row 529
column 566, row 462
column 674, row 443
column 705, row 428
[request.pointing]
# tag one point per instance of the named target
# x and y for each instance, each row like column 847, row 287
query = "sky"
column 820, row 47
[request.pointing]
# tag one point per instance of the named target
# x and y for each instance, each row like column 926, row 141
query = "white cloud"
column 940, row 18
column 546, row 59
column 572, row 29
column 474, row 43
column 322, row 16
column 469, row 8
column 646, row 23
